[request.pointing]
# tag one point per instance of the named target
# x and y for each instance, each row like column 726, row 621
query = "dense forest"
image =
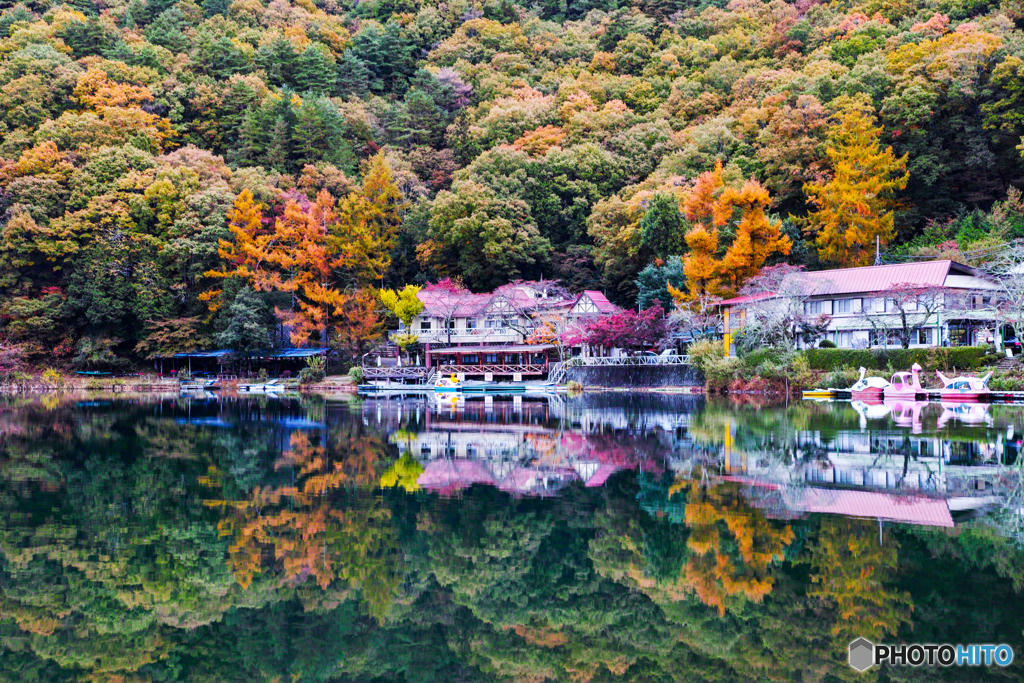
column 149, row 543
column 178, row 175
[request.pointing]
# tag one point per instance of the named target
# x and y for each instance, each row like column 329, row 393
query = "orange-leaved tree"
column 710, row 206
column 757, row 237
column 856, row 206
column 707, row 214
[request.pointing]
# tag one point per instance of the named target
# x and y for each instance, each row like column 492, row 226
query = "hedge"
column 939, row 358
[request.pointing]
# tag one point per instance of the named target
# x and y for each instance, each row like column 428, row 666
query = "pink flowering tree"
column 445, row 296
column 628, row 330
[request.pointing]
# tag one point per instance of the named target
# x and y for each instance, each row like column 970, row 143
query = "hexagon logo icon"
column 862, row 654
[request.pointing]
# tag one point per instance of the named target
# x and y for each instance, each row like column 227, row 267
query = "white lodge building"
column 866, row 307
column 486, row 335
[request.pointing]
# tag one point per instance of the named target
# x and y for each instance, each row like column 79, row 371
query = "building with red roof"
column 865, row 306
column 493, row 335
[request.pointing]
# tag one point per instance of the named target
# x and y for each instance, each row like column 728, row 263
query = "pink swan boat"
column 905, row 386
column 963, row 389
column 867, row 388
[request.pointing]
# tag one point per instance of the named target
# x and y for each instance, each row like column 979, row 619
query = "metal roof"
column 871, row 279
column 878, row 278
column 269, row 353
column 203, row 354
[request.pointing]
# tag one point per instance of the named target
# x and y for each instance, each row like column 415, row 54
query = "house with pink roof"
column 490, row 335
column 939, row 302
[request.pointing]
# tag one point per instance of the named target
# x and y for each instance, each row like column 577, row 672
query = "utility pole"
column 878, row 250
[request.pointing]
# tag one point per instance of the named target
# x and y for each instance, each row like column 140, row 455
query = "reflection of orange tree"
column 851, row 569
column 307, row 535
column 724, row 528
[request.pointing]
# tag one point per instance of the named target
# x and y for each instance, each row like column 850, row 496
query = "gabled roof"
column 880, row 278
column 869, row 279
column 524, row 297
column 600, row 301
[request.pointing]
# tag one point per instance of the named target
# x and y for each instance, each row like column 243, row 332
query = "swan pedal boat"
column 964, row 389
column 868, row 388
column 905, row 386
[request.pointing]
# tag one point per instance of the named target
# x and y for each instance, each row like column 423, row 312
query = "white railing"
column 589, row 362
column 442, row 336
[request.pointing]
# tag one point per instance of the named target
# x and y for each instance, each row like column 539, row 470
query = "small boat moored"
column 964, row 389
column 905, row 386
column 271, row 387
column 448, row 385
column 868, row 388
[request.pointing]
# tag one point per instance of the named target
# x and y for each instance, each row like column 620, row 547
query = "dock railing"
column 600, row 361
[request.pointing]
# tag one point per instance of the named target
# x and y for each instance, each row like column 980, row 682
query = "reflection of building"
column 530, row 447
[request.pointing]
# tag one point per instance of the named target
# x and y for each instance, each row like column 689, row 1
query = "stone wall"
column 636, row 376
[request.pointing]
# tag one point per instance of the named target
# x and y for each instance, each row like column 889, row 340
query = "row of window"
column 495, row 358
column 847, row 340
column 471, row 324
column 882, row 305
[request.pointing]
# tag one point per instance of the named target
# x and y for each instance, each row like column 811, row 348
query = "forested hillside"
column 177, row 174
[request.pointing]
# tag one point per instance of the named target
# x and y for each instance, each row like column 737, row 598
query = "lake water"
column 610, row 537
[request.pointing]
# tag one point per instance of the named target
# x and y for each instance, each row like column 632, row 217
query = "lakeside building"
column 938, row 303
column 487, row 335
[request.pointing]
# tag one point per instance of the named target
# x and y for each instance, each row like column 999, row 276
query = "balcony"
column 483, row 335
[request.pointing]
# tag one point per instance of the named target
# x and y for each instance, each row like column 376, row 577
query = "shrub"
column 841, row 378
column 718, row 369
column 52, row 377
column 575, row 388
column 356, row 374
column 942, row 358
column 826, row 344
column 315, row 370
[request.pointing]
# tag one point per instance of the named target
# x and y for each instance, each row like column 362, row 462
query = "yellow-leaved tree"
column 855, row 207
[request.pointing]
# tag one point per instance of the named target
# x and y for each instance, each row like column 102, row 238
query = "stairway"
column 556, row 373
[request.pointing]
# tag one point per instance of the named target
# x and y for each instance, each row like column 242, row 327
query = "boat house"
column 490, row 336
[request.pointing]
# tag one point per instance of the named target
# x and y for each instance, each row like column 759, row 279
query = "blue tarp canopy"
column 203, row 354
column 268, row 353
column 295, row 353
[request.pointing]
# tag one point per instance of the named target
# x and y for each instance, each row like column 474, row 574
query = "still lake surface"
column 609, row 537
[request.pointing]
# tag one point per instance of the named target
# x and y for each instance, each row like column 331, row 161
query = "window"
column 470, row 323
column 425, row 449
column 843, row 306
column 492, row 323
column 812, row 307
column 924, row 336
column 491, row 358
column 449, row 324
column 425, row 325
column 470, row 359
column 880, row 305
column 845, row 340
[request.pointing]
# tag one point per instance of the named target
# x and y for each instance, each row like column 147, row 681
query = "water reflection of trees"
column 268, row 552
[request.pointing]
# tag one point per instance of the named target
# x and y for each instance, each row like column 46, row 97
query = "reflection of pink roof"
column 601, row 475
column 878, row 505
column 448, row 475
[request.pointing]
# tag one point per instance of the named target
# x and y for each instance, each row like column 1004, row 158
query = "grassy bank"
column 782, row 371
